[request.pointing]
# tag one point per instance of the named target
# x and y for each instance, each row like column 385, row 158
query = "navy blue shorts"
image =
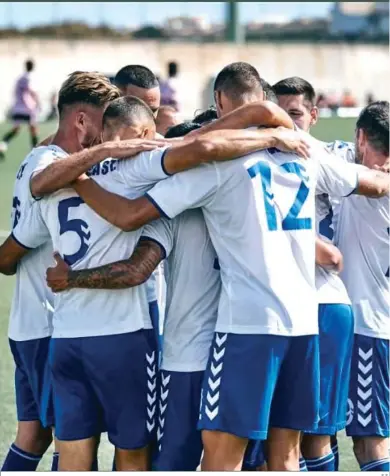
column 106, row 383
column 179, row 441
column 368, row 404
column 336, row 326
column 256, row 381
column 33, row 386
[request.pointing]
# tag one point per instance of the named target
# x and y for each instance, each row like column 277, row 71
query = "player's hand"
column 290, row 141
column 126, row 149
column 57, row 277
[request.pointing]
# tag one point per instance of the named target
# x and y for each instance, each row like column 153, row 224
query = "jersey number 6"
column 77, row 226
column 291, row 221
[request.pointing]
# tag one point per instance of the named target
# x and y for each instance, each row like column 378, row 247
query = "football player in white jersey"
column 236, row 210
column 30, row 324
column 176, row 158
column 297, row 97
column 362, row 234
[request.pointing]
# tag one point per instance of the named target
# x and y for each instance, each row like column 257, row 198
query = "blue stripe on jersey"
column 161, row 211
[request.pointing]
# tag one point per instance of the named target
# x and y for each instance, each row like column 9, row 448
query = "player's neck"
column 67, row 140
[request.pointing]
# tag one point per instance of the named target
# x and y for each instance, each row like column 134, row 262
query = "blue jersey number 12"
column 290, row 221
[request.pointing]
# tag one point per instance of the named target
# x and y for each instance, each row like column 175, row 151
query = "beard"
column 358, row 154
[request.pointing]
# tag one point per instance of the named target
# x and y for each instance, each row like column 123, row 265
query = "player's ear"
column 218, row 102
column 314, row 115
column 81, row 120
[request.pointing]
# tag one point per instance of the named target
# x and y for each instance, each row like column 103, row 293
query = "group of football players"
column 274, row 249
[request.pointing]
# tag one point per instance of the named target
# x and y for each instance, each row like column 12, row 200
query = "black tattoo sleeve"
column 122, row 274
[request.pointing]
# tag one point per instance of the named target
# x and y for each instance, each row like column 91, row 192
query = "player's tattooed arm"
column 61, row 173
column 119, row 275
column 373, row 183
column 328, row 256
column 11, row 252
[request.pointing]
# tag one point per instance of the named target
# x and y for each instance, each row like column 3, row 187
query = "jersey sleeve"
column 343, row 150
column 190, row 189
column 144, row 170
column 45, row 158
column 161, row 232
column 31, row 230
column 334, row 177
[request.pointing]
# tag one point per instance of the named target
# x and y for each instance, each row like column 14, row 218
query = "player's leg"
column 179, row 441
column 123, row 372
column 78, row 415
column 335, row 450
column 336, row 340
column 32, row 438
column 33, row 134
column 294, row 411
column 368, row 412
column 236, row 397
column 9, row 135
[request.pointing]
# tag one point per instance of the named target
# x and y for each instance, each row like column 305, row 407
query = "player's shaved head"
column 237, row 84
column 139, row 81
column 127, row 117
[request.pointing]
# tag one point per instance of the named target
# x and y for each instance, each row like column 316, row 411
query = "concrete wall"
column 360, row 68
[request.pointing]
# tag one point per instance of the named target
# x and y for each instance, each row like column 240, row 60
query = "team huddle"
column 274, row 249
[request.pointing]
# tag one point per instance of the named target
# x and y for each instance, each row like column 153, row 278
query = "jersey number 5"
column 80, row 227
column 291, row 221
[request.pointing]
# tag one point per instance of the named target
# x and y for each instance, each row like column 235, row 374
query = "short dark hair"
column 374, row 121
column 206, row 116
column 88, row 88
column 173, row 69
column 237, row 79
column 136, row 75
column 29, row 65
column 268, row 91
column 182, row 129
column 295, row 86
column 126, row 111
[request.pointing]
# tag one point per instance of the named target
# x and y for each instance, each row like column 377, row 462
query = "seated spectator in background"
column 333, row 102
column 369, row 98
column 348, row 100
column 166, row 118
column 322, row 102
column 169, row 87
column 53, row 107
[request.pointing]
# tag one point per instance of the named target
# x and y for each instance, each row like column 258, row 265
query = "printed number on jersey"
column 80, row 227
column 291, row 221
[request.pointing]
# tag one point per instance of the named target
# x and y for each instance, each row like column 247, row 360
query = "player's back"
column 32, row 305
column 193, row 290
column 261, row 222
column 86, row 240
column 362, row 234
column 23, row 102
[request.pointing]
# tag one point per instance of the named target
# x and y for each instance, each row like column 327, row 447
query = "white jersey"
column 362, row 235
column 260, row 214
column 85, row 240
column 193, row 291
column 32, row 303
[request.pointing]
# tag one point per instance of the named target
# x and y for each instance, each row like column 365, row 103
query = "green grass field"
column 327, row 129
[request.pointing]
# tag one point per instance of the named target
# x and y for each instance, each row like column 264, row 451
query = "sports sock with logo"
column 335, row 451
column 302, row 464
column 378, row 465
column 20, row 460
column 324, row 463
column 54, row 463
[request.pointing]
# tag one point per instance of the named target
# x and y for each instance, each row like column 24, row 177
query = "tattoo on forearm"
column 122, row 274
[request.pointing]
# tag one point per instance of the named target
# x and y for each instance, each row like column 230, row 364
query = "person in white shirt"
column 236, row 210
column 24, row 109
column 297, row 97
column 362, row 234
column 30, row 325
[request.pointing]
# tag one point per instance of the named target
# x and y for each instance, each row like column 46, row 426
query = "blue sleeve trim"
column 148, row 238
column 162, row 213
column 162, row 162
column 19, row 243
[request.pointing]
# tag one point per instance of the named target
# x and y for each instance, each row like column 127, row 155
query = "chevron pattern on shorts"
column 211, row 397
column 364, row 387
column 151, row 396
column 164, row 391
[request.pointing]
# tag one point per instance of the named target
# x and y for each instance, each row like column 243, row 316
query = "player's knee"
column 315, row 446
column 32, row 437
column 222, row 451
column 283, row 449
column 132, row 460
column 370, row 449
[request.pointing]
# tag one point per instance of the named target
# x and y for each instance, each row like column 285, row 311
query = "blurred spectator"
column 169, row 87
column 53, row 107
column 333, row 102
column 369, row 98
column 347, row 99
column 166, row 118
column 322, row 102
